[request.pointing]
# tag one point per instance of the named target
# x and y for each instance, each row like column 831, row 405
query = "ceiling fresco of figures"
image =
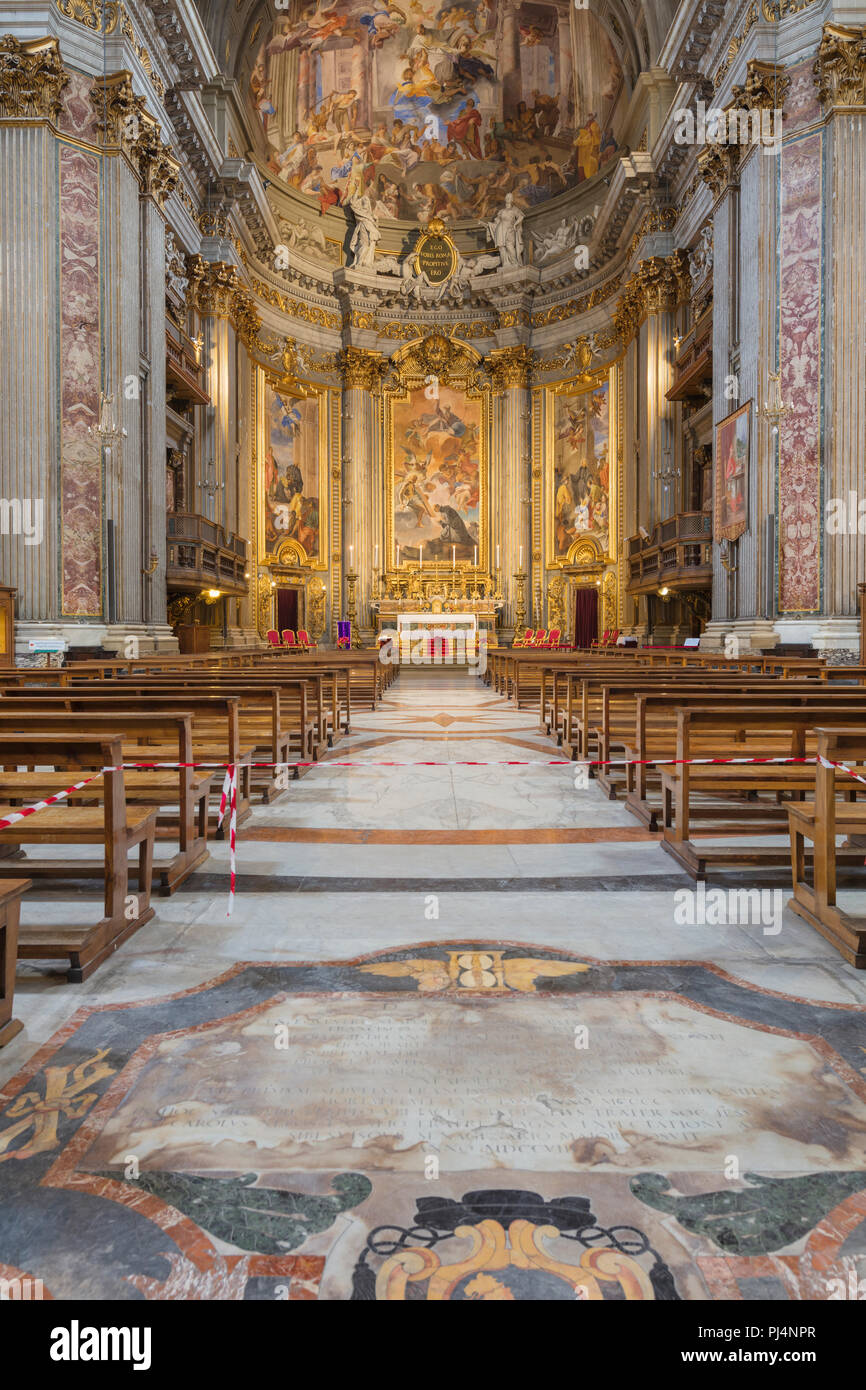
column 436, row 109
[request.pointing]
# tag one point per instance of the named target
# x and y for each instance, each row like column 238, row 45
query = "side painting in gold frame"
column 581, row 469
column 436, row 431
column 292, row 495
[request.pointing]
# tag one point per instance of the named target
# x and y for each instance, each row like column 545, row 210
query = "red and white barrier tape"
column 229, row 794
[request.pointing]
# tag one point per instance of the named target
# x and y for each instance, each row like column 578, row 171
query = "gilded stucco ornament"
column 158, row 169
column 361, row 369
column 510, row 367
column 118, row 109
column 765, row 88
column 32, row 78
column 840, row 67
column 658, row 286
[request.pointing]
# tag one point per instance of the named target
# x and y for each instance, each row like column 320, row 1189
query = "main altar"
column 452, row 611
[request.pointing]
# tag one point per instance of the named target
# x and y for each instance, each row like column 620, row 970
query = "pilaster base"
column 752, row 634
column 152, row 639
column 838, row 641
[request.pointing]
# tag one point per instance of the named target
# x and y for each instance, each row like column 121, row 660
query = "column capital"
column 158, row 169
column 510, row 366
column 118, row 110
column 719, row 166
column 658, row 286
column 362, row 369
column 765, row 88
column 32, row 77
column 840, row 67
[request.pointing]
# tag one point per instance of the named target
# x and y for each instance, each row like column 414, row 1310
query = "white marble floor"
column 367, row 857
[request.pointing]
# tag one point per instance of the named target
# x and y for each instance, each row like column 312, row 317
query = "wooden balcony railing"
column 677, row 555
column 203, row 555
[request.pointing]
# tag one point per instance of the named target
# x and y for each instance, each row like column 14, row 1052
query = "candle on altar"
column 453, row 556
column 421, row 557
column 520, row 560
column 398, row 557
column 351, row 553
column 475, row 558
column 497, row 557
column 375, row 557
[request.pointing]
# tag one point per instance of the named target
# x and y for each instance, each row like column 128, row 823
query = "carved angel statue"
column 506, row 229
column 701, row 259
column 366, row 233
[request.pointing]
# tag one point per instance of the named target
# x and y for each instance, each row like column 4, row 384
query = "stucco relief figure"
column 506, row 229
column 701, row 259
column 366, row 233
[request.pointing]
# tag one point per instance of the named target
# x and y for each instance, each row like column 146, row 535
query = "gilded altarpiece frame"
column 432, row 376
column 591, row 557
column 289, row 559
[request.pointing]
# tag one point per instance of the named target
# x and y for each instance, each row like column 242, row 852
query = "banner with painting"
column 437, row 109
column 580, row 501
column 731, row 475
column 290, row 474
column 437, row 460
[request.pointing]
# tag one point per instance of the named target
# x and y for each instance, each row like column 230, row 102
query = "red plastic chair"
column 274, row 637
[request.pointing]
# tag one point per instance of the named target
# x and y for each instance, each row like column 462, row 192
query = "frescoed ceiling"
column 436, row 107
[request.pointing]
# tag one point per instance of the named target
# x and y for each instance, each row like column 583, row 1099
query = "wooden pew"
column 654, row 737
column 819, row 822
column 183, row 788
column 216, row 736
column 785, row 730
column 119, row 828
column 11, row 894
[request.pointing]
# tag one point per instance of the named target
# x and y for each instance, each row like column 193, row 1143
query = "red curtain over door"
column 585, row 617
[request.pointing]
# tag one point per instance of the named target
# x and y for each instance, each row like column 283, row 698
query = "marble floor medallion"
column 452, row 1120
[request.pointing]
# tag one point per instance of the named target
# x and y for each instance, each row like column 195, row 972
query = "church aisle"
column 447, row 995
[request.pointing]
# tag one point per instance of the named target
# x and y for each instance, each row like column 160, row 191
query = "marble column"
column 840, row 73
column 29, row 362
column 362, row 483
column 511, row 478
column 744, row 180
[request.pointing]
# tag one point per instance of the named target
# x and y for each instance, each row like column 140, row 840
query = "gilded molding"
column 449, row 361
column 90, row 14
column 840, row 67
column 736, row 44
column 510, row 367
column 405, row 329
column 296, row 308
column 32, row 78
column 557, row 312
column 362, row 370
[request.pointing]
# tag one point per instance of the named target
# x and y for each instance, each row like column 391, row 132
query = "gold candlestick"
column 351, row 581
column 520, row 602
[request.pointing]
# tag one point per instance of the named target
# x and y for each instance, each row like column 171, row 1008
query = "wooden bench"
column 11, row 894
column 215, row 730
column 120, row 829
column 783, row 731
column 181, row 793
column 819, row 822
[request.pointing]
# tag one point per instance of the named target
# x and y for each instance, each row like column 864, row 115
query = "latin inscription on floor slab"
column 494, row 1083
